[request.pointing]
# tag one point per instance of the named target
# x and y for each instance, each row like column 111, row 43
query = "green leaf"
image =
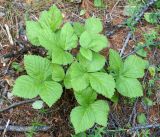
column 25, row 87
column 61, row 57
column 47, row 39
column 87, row 53
column 37, row 104
column 57, row 73
column 99, row 3
column 32, row 30
column 152, row 17
column 129, row 87
column 134, row 67
column 95, row 42
column 68, row 38
column 141, row 118
column 130, row 10
column 141, row 52
column 51, row 19
column 102, row 83
column 67, row 79
column 100, row 110
column 86, row 96
column 148, row 102
column 37, row 67
column 50, row 92
column 78, row 28
column 82, row 118
column 79, row 77
column 115, row 61
column 96, row 64
column 93, row 25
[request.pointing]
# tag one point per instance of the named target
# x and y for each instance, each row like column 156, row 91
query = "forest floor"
column 123, row 115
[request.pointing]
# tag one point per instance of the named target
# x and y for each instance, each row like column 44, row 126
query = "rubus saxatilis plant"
column 85, row 73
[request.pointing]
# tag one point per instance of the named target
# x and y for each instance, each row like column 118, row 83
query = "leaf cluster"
column 85, row 73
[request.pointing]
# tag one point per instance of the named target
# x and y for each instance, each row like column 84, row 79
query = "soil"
column 12, row 13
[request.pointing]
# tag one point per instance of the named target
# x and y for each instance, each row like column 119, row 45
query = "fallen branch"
column 136, row 19
column 18, row 104
column 136, row 128
column 154, row 44
column 24, row 128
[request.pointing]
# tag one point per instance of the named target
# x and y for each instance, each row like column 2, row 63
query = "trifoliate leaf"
column 68, row 38
column 96, row 64
column 50, row 92
column 95, row 42
column 61, row 57
column 86, row 96
column 32, row 30
column 25, row 87
column 134, row 67
column 102, row 83
column 129, row 87
column 93, row 25
column 51, row 19
column 67, row 79
column 37, row 67
column 115, row 61
column 82, row 118
column 57, row 72
column 79, row 77
column 37, row 104
column 87, row 53
column 78, row 28
column 100, row 110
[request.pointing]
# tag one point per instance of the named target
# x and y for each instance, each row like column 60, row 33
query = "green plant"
column 84, row 72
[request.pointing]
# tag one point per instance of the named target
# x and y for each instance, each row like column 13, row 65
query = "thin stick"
column 136, row 128
column 9, row 35
column 18, row 104
column 24, row 128
column 154, row 44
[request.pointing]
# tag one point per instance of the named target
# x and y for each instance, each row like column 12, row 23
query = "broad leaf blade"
column 79, row 77
column 101, row 110
column 102, row 83
column 95, row 42
column 134, row 67
column 32, row 30
column 82, row 118
column 68, row 38
column 37, row 67
column 78, row 28
column 67, row 79
column 86, row 96
column 115, row 61
column 96, row 64
column 129, row 87
column 47, row 39
column 93, row 25
column 87, row 53
column 50, row 92
column 51, row 19
column 57, row 73
column 25, row 87
column 61, row 57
